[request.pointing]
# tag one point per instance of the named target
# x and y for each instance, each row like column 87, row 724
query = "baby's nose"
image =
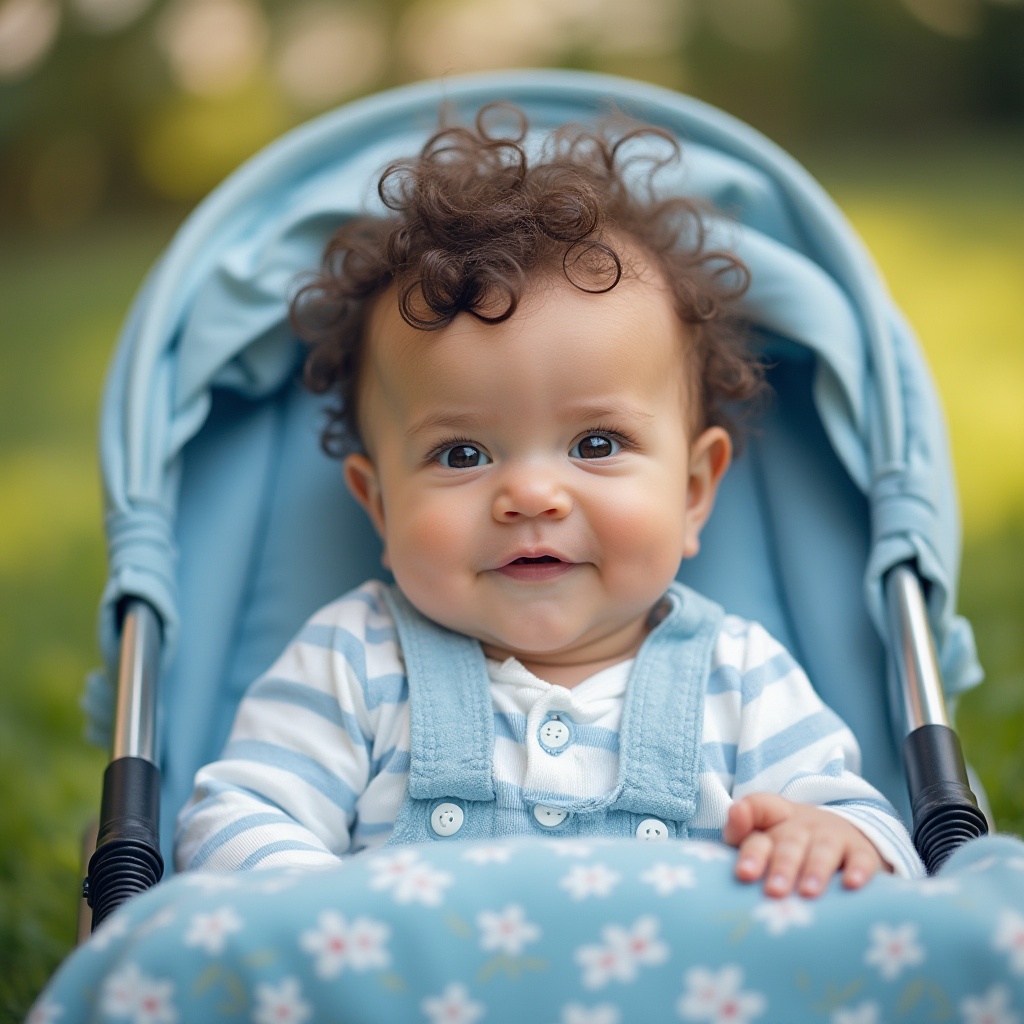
column 531, row 494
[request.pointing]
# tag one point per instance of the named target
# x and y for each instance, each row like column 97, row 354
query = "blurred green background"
column 117, row 115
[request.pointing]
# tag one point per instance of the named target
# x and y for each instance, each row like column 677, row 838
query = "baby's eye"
column 595, row 446
column 463, row 456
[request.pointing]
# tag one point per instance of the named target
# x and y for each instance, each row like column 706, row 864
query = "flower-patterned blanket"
column 555, row 932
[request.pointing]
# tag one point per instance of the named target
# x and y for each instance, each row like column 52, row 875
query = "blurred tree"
column 129, row 102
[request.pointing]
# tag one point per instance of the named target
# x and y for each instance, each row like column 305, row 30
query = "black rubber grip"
column 945, row 810
column 127, row 860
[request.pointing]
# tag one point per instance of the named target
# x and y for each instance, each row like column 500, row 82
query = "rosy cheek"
column 636, row 521
column 640, row 537
column 432, row 559
column 430, row 531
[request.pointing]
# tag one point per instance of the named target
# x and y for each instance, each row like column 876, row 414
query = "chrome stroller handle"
column 127, row 860
column 945, row 810
column 137, row 680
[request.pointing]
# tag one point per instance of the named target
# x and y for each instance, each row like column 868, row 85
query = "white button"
column 446, row 819
column 651, row 830
column 549, row 817
column 554, row 733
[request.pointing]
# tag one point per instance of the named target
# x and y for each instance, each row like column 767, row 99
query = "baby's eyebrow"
column 605, row 410
column 446, row 419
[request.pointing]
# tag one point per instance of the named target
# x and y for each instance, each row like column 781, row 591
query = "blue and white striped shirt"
column 318, row 759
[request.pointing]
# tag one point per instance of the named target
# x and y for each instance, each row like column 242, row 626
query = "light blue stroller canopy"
column 224, row 517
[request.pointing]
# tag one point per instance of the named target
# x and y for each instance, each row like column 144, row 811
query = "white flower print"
column 487, row 855
column 605, row 1013
column 211, row 931
column 703, row 991
column 641, row 942
column 623, row 952
column 452, row 1006
column 991, row 1008
column 602, row 964
column 154, row 1005
column 387, row 870
column 112, row 928
column 866, row 1013
column 717, row 996
column 894, row 949
column 423, row 884
column 666, row 878
column 132, row 994
column 120, row 990
column 409, row 879
column 46, row 1011
column 778, row 916
column 507, row 930
column 281, row 1004
column 1009, row 938
column 336, row 944
column 368, row 938
column 586, row 880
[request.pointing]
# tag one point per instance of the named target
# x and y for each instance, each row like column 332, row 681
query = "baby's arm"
column 286, row 786
column 797, row 846
column 228, row 826
column 283, row 790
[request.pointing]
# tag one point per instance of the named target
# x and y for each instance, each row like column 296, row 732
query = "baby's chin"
column 570, row 664
column 524, row 634
column 539, row 639
column 551, row 639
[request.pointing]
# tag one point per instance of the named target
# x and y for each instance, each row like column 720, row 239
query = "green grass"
column 990, row 719
column 61, row 302
column 948, row 230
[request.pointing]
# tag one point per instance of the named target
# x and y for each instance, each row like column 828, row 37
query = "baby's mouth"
column 535, row 568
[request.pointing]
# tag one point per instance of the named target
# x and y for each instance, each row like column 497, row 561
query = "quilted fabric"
column 555, row 932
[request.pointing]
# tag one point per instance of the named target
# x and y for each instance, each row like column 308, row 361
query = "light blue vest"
column 452, row 792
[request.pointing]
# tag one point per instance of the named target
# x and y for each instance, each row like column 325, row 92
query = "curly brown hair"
column 472, row 220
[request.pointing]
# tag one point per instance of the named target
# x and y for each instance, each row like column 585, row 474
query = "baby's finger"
column 788, row 856
column 824, row 856
column 739, row 823
column 861, row 864
column 755, row 812
column 753, row 857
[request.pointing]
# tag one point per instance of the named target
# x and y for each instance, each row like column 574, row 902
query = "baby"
column 535, row 363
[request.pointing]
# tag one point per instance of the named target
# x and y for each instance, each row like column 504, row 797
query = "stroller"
column 228, row 527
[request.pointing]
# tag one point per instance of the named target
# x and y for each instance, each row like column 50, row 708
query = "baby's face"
column 534, row 482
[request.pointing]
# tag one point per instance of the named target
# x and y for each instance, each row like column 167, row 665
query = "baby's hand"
column 797, row 846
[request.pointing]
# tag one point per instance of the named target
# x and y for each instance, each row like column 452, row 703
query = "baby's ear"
column 364, row 485
column 710, row 456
